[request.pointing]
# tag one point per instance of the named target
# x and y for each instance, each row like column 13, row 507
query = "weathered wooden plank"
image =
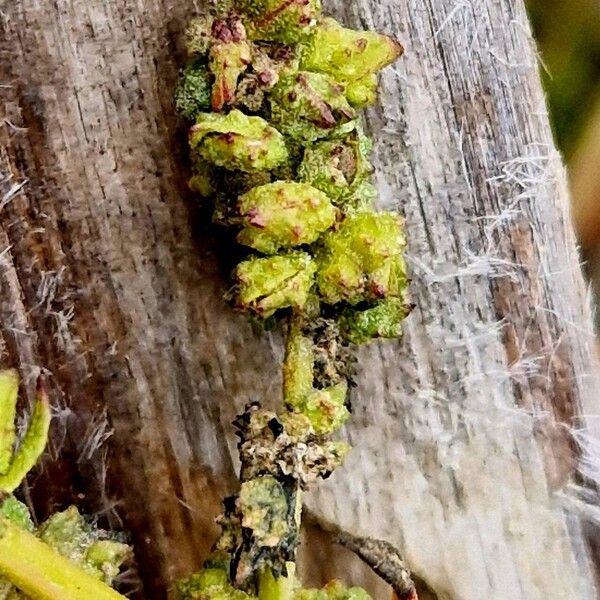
column 111, row 284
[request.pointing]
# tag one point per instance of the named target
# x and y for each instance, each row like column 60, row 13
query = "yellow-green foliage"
column 384, row 320
column 287, row 165
column 72, row 537
column 305, row 141
column 16, row 460
column 9, row 389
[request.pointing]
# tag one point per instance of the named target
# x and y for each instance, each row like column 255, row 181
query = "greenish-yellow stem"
column 9, row 389
column 43, row 574
column 277, row 588
column 32, row 446
column 298, row 365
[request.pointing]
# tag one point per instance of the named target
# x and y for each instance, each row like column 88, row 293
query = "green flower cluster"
column 273, row 89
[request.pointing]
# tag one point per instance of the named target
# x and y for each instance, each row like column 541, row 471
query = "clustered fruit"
column 273, row 89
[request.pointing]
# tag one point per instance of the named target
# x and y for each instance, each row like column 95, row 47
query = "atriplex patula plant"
column 279, row 153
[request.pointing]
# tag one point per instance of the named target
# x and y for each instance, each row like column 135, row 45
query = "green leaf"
column 9, row 389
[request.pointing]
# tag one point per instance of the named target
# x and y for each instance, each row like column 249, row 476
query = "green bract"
column 340, row 168
column 326, row 408
column 382, row 321
column 192, row 95
column 362, row 260
column 351, row 57
column 287, row 21
column 229, row 57
column 265, row 285
column 283, row 214
column 362, row 92
column 17, row 512
column 310, row 106
column 236, row 141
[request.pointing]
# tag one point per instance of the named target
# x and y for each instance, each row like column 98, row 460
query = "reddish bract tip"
column 42, row 389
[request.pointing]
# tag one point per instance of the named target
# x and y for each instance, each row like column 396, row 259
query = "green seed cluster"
column 277, row 145
column 274, row 89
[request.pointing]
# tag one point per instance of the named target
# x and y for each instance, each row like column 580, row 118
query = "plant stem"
column 280, row 588
column 43, row 574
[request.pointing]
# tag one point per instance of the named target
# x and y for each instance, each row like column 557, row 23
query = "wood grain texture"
column 462, row 431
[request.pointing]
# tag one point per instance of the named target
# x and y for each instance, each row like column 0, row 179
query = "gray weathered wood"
column 109, row 283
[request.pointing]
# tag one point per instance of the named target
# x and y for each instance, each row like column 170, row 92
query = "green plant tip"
column 32, row 445
column 351, row 57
